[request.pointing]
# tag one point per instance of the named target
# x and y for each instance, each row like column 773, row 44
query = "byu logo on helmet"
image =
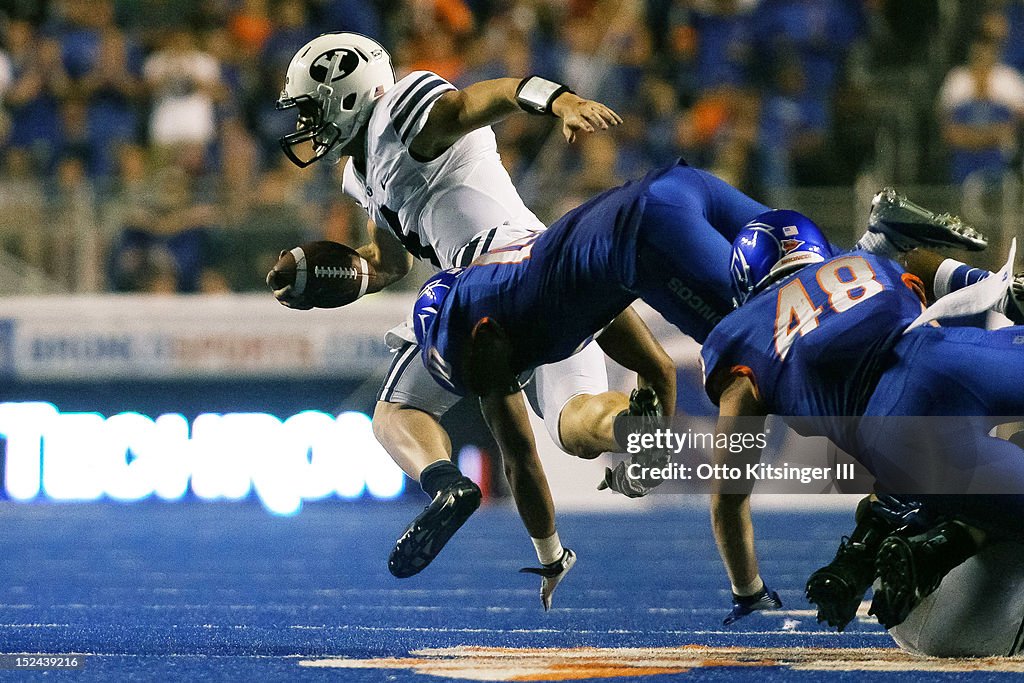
column 774, row 244
column 346, row 63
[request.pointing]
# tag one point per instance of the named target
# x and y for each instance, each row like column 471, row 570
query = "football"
column 320, row 274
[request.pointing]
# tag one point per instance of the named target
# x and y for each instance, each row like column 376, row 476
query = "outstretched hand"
column 551, row 575
column 580, row 115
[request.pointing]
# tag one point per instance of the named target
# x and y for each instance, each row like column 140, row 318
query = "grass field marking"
column 476, row 663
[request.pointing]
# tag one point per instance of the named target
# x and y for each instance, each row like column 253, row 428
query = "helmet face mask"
column 314, row 137
column 739, row 271
column 333, row 81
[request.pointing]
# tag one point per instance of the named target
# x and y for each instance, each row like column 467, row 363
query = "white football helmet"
column 334, row 81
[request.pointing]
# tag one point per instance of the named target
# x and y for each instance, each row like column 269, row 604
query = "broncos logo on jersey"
column 430, row 299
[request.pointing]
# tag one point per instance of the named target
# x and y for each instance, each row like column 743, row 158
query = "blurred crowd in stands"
column 138, row 138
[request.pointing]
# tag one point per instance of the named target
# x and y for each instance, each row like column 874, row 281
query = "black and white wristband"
column 535, row 94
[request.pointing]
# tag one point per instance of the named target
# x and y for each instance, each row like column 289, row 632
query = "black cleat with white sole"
column 427, row 535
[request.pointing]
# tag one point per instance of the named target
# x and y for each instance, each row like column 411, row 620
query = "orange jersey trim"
column 744, row 371
column 915, row 285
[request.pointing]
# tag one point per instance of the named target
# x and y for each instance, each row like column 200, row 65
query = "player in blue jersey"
column 820, row 335
column 665, row 239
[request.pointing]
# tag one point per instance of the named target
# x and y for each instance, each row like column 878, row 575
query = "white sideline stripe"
column 430, row 629
column 423, row 608
column 614, row 631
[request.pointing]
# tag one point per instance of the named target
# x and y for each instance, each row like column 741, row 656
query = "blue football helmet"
column 429, row 300
column 774, row 244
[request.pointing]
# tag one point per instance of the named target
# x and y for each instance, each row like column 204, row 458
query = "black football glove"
column 551, row 575
column 617, row 478
column 744, row 605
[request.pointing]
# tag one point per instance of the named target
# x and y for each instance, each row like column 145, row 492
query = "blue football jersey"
column 815, row 343
column 551, row 292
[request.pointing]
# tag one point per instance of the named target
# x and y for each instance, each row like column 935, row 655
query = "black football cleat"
column 551, row 575
column 910, row 569
column 643, row 403
column 839, row 587
column 427, row 535
column 908, row 225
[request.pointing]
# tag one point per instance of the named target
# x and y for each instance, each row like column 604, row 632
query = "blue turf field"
column 227, row 592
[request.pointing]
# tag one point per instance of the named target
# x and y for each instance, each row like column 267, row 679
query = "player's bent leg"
column 574, row 401
column 412, row 437
column 925, row 264
column 406, row 423
column 418, row 443
column 706, row 198
column 942, row 276
column 586, row 424
column 977, row 610
column 683, row 265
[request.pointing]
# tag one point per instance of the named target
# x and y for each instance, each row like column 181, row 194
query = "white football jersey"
column 436, row 208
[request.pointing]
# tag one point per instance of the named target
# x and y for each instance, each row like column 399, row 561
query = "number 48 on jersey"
column 847, row 281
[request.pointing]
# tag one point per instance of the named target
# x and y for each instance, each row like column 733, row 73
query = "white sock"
column 755, row 586
column 945, row 274
column 548, row 549
column 878, row 244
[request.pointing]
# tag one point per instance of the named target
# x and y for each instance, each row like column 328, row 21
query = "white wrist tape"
column 535, row 94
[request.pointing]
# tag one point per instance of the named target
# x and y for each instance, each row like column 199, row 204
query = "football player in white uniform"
column 425, row 167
